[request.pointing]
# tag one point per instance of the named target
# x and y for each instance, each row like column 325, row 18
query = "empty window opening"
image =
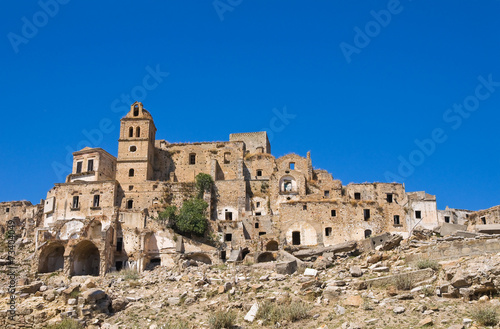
column 130, row 204
column 154, row 262
column 328, row 231
column 389, row 197
column 131, row 173
column 130, row 187
column 258, row 213
column 133, row 148
column 227, row 157
column 138, row 132
column 131, row 132
column 326, row 194
column 262, row 233
column 223, row 255
column 333, row 212
column 446, row 219
column 418, row 214
column 229, row 237
column 118, row 265
column 7, row 209
column 466, row 215
column 357, row 196
column 192, row 159
column 304, row 207
column 256, row 225
column 366, row 214
column 229, row 215
column 96, row 200
column 288, row 186
column 259, row 172
column 136, row 110
column 396, row 220
column 296, row 238
column 292, row 165
column 119, row 244
column 257, row 204
column 368, row 233
column 76, row 202
column 79, row 167
column 90, row 165
column 483, row 220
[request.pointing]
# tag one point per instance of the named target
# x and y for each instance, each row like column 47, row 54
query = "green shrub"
column 271, row 312
column 191, row 218
column 427, row 263
column 129, row 274
column 204, row 183
column 221, row 319
column 486, row 315
column 66, row 324
column 403, row 282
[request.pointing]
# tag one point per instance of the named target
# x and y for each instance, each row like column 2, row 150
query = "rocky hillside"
column 399, row 288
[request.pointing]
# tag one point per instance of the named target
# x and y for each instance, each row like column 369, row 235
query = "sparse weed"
column 222, row 319
column 271, row 313
column 427, row 263
column 129, row 274
column 485, row 314
column 403, row 282
column 66, row 324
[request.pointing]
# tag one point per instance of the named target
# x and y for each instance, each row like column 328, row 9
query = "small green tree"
column 191, row 218
column 204, row 183
column 168, row 216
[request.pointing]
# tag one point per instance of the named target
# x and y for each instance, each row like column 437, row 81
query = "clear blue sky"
column 360, row 100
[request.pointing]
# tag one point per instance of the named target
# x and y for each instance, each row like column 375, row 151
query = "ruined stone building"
column 102, row 217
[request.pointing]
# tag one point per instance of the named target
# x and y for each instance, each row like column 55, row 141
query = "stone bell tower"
column 136, row 146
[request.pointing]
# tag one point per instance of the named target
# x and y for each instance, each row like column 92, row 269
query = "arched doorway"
column 51, row 258
column 266, row 257
column 368, row 233
column 86, row 259
column 272, row 246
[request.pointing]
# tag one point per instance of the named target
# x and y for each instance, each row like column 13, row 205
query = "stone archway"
column 51, row 258
column 86, row 259
column 272, row 246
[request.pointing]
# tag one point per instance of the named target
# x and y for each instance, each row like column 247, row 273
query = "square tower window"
column 292, row 166
column 328, row 231
column 259, row 172
column 229, row 237
column 446, row 219
column 418, row 214
column 326, row 194
column 229, row 215
column 389, row 197
column 79, row 167
column 90, row 165
column 357, row 196
column 136, row 110
column 192, row 158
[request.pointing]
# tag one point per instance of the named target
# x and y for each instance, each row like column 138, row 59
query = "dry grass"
column 403, row 282
column 272, row 313
column 485, row 314
column 427, row 263
column 221, row 319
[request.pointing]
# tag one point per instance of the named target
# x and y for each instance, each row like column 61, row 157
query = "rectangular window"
column 333, row 212
column 483, row 220
column 90, row 165
column 396, row 220
column 229, row 237
column 7, row 209
column 75, row 204
column 256, row 225
column 96, row 200
column 292, row 165
column 258, row 213
column 262, row 233
column 446, row 219
column 227, row 156
column 304, row 207
column 192, row 159
column 366, row 213
column 259, row 172
column 78, row 167
column 328, row 231
column 389, row 197
column 418, row 214
column 257, row 204
column 357, row 196
column 119, row 244
column 229, row 215
column 326, row 194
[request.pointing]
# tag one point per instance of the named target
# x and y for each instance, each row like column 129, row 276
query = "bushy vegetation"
column 427, row 263
column 221, row 319
column 204, row 183
column 403, row 282
column 66, row 324
column 485, row 314
column 129, row 274
column 272, row 313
